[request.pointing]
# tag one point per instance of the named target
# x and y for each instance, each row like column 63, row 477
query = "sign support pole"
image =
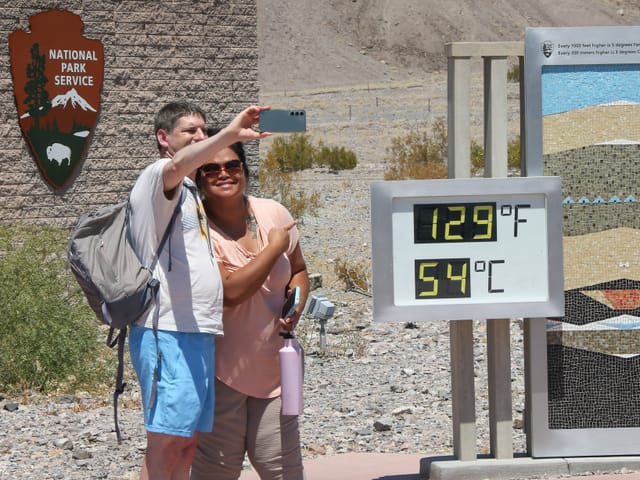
column 463, row 399
column 499, row 381
column 461, row 332
column 498, row 330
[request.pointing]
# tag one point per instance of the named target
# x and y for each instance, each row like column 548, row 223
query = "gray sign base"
column 448, row 468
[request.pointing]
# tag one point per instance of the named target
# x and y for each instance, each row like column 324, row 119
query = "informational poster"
column 582, row 114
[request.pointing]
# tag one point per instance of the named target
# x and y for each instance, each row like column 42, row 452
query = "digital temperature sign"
column 467, row 248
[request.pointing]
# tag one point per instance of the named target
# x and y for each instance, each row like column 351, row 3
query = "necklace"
column 252, row 224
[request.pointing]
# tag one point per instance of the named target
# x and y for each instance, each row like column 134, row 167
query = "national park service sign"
column 57, row 81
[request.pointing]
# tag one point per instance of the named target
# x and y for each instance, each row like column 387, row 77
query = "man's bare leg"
column 168, row 457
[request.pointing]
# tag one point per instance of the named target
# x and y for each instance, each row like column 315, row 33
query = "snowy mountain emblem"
column 73, row 98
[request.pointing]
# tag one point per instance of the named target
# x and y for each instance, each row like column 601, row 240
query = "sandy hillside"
column 312, row 43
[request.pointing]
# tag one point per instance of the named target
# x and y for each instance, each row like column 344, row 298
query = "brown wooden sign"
column 57, row 82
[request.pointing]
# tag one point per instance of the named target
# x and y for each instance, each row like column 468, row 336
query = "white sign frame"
column 393, row 253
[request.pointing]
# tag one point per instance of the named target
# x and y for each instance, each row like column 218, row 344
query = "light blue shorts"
column 186, row 389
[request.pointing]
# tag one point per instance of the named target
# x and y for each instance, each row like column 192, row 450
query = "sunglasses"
column 232, row 166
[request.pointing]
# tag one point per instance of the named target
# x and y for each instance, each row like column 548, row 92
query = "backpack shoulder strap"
column 120, row 385
column 167, row 232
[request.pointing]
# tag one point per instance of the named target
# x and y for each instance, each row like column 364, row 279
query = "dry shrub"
column 419, row 154
column 355, row 275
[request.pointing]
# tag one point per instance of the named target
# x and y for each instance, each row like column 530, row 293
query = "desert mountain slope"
column 319, row 43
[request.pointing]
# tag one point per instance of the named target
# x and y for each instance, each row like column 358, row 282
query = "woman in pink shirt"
column 256, row 244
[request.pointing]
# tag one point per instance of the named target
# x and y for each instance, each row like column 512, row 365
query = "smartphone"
column 283, row 121
column 291, row 303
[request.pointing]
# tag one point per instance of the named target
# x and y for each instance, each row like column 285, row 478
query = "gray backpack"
column 118, row 286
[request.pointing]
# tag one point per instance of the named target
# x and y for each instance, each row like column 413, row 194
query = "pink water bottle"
column 291, row 375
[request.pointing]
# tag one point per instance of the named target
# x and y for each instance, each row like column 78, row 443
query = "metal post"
column 498, row 335
column 463, row 397
column 495, row 117
column 461, row 332
column 323, row 335
column 459, row 117
column 499, row 380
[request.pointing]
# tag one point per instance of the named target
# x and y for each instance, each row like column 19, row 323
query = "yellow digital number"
column 454, row 223
column 488, row 222
column 422, row 275
column 462, row 278
column 434, row 224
